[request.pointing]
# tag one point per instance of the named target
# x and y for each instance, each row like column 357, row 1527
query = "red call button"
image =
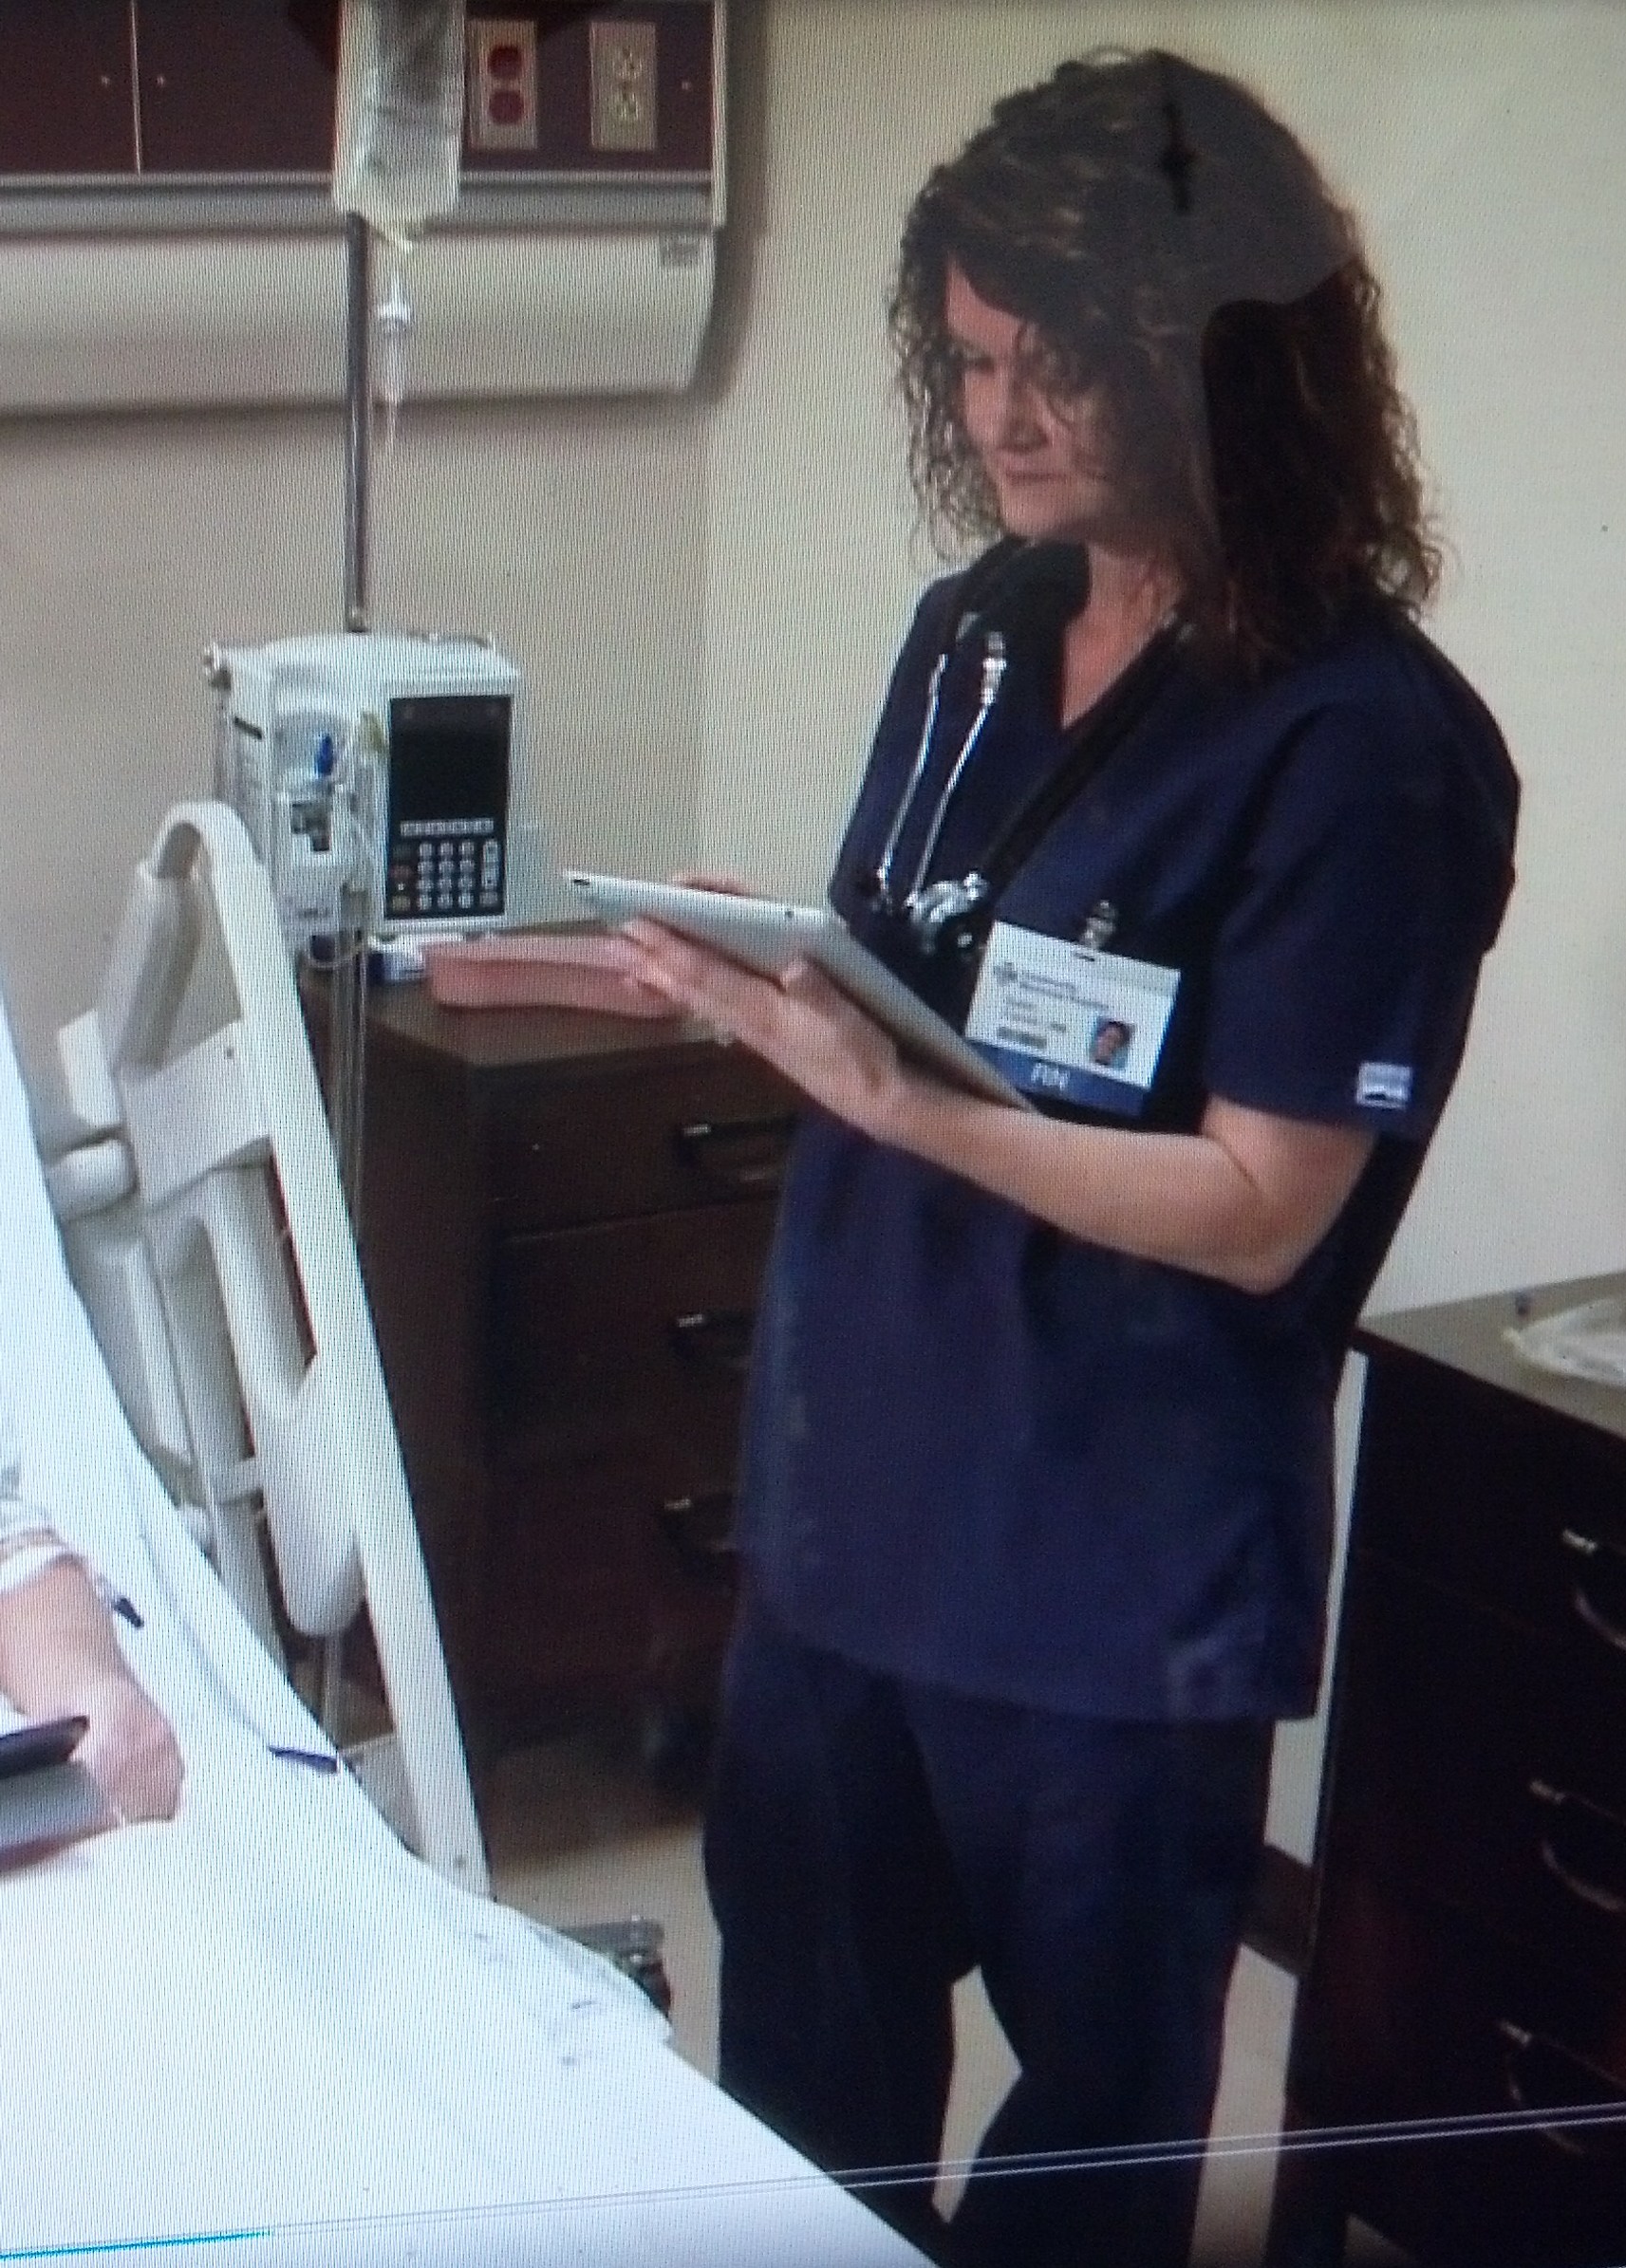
column 506, row 107
column 506, row 61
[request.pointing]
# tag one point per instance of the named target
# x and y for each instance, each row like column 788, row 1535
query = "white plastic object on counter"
column 1585, row 1342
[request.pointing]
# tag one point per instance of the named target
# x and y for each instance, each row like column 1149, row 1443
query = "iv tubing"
column 347, row 997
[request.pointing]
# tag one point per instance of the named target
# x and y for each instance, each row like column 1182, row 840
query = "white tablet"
column 767, row 935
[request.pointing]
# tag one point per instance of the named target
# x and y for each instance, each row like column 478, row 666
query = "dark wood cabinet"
column 246, row 88
column 564, row 1220
column 1463, row 2006
column 67, row 101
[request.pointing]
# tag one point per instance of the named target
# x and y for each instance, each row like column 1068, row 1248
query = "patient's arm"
column 59, row 1657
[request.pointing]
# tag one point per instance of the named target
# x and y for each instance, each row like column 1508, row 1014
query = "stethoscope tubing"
column 905, row 804
column 995, row 661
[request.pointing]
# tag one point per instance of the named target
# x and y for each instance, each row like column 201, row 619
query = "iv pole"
column 345, row 1086
column 348, row 999
column 426, row 25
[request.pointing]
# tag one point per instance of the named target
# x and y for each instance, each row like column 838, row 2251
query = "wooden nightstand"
column 1468, row 1955
column 564, row 1221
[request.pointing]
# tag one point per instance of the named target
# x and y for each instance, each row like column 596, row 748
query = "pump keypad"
column 439, row 869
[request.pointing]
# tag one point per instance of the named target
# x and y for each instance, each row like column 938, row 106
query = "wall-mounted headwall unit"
column 167, row 235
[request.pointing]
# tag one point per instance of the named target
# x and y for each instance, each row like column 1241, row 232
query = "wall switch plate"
column 502, row 84
column 624, row 85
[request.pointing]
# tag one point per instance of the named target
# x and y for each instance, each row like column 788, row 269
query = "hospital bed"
column 289, row 2026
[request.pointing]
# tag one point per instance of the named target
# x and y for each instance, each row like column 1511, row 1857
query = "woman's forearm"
column 1246, row 1199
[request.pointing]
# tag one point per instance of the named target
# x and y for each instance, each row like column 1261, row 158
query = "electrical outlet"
column 624, row 85
column 502, row 84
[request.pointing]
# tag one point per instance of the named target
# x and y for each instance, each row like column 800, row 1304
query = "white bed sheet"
column 264, row 2032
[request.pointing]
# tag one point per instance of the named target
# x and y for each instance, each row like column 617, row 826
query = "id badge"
column 1070, row 1023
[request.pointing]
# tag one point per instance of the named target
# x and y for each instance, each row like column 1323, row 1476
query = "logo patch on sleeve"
column 1384, row 1086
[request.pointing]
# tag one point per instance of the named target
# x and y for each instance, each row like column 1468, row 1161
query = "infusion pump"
column 371, row 770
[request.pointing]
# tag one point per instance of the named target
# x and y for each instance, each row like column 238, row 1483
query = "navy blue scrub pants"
column 870, row 1841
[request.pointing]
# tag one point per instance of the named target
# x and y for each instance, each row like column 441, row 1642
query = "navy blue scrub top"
column 985, row 1455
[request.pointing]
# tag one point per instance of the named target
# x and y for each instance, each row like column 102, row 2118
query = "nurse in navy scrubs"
column 1038, row 1497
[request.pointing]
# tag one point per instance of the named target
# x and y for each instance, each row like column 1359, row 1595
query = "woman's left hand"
column 798, row 1022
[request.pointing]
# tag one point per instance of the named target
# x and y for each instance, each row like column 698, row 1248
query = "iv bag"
column 399, row 141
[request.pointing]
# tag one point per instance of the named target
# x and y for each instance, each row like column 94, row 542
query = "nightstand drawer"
column 1485, row 1767
column 715, row 1124
column 634, row 1332
column 1518, row 2072
column 610, row 1577
column 1457, row 1482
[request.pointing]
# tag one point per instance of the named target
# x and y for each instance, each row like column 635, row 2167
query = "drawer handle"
column 744, row 1153
column 716, row 1338
column 1582, row 1842
column 1542, row 2076
column 1611, row 1564
column 700, row 1531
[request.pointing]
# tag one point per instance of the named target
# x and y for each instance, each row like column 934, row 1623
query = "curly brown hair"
column 1172, row 244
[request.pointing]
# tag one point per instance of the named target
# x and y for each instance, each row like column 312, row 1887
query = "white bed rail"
column 190, row 1166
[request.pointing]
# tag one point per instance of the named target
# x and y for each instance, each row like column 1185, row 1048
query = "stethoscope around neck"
column 954, row 914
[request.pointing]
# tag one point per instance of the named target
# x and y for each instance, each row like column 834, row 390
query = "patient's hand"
column 129, row 1750
column 60, row 1657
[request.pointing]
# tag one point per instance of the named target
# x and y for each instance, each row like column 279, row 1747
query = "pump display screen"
column 446, row 841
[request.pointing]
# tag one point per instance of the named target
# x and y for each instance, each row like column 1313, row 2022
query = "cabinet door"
column 595, row 1592
column 1494, row 1497
column 1483, row 1767
column 242, row 88
column 1499, row 2080
column 634, row 1332
column 66, row 99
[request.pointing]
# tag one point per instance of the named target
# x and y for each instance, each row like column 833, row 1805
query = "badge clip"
column 1100, row 929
